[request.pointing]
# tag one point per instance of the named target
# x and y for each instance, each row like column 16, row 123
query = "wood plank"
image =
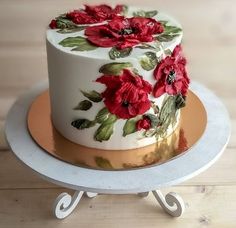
column 32, row 208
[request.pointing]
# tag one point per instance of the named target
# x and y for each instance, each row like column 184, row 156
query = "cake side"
column 119, row 103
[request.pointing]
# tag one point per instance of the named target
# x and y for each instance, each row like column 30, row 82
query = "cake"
column 117, row 76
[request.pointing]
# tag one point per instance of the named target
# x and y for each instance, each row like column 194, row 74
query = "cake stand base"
column 139, row 181
column 65, row 204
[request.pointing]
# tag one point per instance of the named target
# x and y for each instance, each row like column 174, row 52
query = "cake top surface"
column 104, row 32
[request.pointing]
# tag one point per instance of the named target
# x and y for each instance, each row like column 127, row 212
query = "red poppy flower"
column 53, row 24
column 171, row 75
column 124, row 32
column 94, row 14
column 126, row 95
column 144, row 123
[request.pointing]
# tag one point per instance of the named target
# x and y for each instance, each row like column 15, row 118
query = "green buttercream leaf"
column 143, row 13
column 102, row 115
column 115, row 53
column 130, row 126
column 84, row 105
column 148, row 61
column 168, row 107
column 171, row 29
column 92, row 95
column 71, row 30
column 105, row 130
column 152, row 13
column 110, row 120
column 114, row 68
column 63, row 23
column 166, row 37
column 163, row 22
column 103, row 163
column 85, row 47
column 79, row 43
column 170, row 32
column 148, row 46
column 180, row 101
column 82, row 123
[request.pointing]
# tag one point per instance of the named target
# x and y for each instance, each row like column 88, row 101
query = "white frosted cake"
column 117, row 76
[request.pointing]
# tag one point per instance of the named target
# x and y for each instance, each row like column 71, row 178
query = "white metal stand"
column 138, row 181
column 64, row 204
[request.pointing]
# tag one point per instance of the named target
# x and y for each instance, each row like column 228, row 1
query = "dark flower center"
column 125, row 103
column 126, row 31
column 171, row 77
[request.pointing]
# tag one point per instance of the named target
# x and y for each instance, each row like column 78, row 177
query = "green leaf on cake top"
column 115, row 53
column 114, row 68
column 84, row 105
column 170, row 32
column 78, row 43
column 92, row 95
column 71, row 30
column 148, row 46
column 67, row 26
column 143, row 13
column 166, row 37
column 163, row 22
column 148, row 61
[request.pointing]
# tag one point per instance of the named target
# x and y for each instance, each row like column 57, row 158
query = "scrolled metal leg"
column 65, row 204
column 172, row 203
column 91, row 194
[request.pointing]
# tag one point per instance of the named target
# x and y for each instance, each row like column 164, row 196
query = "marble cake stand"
column 137, row 181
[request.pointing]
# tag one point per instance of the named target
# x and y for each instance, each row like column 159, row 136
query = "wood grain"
column 210, row 46
column 32, row 208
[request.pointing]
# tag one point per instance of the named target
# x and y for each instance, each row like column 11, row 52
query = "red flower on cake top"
column 124, row 32
column 126, row 95
column 94, row 14
column 91, row 14
column 171, row 75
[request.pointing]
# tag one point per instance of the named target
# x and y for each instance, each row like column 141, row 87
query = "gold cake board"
column 191, row 127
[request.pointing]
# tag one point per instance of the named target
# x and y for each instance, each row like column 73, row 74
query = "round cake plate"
column 185, row 136
column 201, row 156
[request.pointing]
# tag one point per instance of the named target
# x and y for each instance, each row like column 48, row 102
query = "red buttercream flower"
column 126, row 95
column 94, row 14
column 171, row 75
column 124, row 32
column 53, row 24
column 144, row 123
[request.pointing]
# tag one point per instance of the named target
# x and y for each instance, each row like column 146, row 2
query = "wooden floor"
column 210, row 45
